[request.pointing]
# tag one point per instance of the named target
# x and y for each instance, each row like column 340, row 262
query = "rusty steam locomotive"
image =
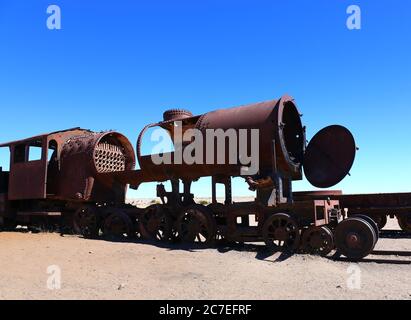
column 81, row 178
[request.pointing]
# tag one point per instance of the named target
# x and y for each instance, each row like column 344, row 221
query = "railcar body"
column 378, row 206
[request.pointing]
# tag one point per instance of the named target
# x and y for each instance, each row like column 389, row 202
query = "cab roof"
column 41, row 136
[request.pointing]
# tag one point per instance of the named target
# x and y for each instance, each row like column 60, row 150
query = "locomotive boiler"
column 283, row 152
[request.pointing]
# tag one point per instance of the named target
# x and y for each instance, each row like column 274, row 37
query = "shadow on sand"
column 260, row 250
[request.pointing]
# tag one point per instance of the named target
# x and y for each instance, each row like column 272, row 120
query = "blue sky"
column 120, row 64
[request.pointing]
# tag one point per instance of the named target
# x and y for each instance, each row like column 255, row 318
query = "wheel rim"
column 318, row 240
column 156, row 223
column 355, row 238
column 196, row 225
column 281, row 232
column 372, row 222
column 86, row 222
column 219, row 212
column 118, row 225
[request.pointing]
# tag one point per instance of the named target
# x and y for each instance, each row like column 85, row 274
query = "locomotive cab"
column 54, row 174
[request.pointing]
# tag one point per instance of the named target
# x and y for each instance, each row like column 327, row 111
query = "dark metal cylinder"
column 279, row 125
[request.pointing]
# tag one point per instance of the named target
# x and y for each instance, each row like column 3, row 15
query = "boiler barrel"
column 278, row 123
column 281, row 136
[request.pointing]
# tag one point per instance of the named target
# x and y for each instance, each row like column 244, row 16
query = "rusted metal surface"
column 84, row 156
column 282, row 148
column 377, row 206
column 166, row 172
column 355, row 238
column 329, row 157
column 28, row 179
column 67, row 166
column 316, row 194
column 318, row 240
column 277, row 120
column 83, row 175
column 388, row 202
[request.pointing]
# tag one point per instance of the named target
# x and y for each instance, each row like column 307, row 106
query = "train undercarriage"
column 314, row 223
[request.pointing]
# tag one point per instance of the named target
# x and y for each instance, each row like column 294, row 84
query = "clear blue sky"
column 120, row 64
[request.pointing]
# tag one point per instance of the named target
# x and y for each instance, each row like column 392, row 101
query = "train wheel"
column 156, row 223
column 380, row 220
column 318, row 240
column 355, row 238
column 118, row 225
column 405, row 222
column 371, row 221
column 281, row 232
column 86, row 222
column 218, row 210
column 196, row 224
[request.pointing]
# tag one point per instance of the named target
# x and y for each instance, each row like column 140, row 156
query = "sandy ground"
column 98, row 269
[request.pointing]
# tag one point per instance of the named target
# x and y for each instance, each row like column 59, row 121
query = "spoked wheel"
column 405, row 222
column 281, row 233
column 219, row 210
column 318, row 241
column 372, row 222
column 118, row 225
column 86, row 222
column 355, row 238
column 156, row 223
column 196, row 224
